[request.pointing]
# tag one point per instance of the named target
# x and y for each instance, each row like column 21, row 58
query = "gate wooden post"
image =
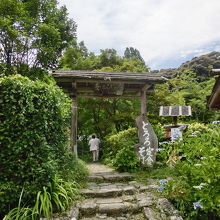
column 73, row 137
column 73, row 134
column 143, row 100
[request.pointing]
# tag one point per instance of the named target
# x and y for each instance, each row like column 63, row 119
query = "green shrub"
column 159, row 131
column 71, row 168
column 116, row 142
column 164, row 152
column 33, row 137
column 126, row 159
column 198, row 128
column 199, row 172
column 119, row 150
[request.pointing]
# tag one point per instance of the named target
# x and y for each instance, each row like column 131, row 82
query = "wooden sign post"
column 148, row 142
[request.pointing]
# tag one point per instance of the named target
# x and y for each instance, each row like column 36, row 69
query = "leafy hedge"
column 120, row 150
column 33, row 137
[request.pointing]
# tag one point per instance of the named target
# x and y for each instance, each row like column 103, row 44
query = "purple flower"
column 163, row 182
column 197, row 205
column 160, row 189
column 215, row 122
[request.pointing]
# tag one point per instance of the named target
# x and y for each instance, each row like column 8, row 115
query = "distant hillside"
column 200, row 65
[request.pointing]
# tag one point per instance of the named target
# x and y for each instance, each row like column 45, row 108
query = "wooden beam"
column 108, row 76
column 73, row 137
column 118, row 81
column 106, row 97
column 143, row 100
column 90, row 89
column 113, row 81
column 128, row 80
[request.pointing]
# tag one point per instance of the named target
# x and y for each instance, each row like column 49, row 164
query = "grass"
column 161, row 172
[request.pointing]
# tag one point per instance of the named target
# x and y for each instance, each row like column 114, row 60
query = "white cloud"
column 160, row 29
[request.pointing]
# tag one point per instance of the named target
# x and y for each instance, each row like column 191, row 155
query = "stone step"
column 128, row 216
column 108, row 190
column 114, row 206
column 110, row 176
column 111, row 207
column 115, row 189
column 147, row 203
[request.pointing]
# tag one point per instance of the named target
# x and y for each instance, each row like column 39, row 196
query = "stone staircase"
column 114, row 196
column 111, row 195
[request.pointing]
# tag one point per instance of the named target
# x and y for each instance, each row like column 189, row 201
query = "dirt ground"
column 98, row 168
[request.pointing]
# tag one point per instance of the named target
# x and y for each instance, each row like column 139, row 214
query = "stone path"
column 98, row 168
column 115, row 196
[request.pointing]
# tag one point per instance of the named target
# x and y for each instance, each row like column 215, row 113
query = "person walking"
column 94, row 147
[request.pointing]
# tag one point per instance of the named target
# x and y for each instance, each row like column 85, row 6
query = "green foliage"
column 33, row 34
column 108, row 57
column 126, row 159
column 41, row 75
column 132, row 53
column 76, row 57
column 95, row 114
column 199, row 172
column 23, row 213
column 198, row 128
column 122, row 139
column 185, row 89
column 202, row 65
column 165, row 153
column 71, row 169
column 160, row 131
column 119, row 150
column 57, row 197
column 159, row 172
column 19, row 212
column 34, row 123
column 132, row 65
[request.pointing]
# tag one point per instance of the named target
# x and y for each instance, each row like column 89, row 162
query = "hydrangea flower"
column 215, row 122
column 160, row 189
column 163, row 182
column 197, row 205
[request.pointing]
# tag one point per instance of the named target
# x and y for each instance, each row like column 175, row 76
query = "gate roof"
column 106, row 84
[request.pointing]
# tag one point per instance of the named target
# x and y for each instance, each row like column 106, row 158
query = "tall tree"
column 83, row 49
column 109, row 57
column 132, row 53
column 33, row 33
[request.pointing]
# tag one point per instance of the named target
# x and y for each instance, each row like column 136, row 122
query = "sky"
column 166, row 32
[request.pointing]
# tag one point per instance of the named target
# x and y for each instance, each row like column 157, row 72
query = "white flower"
column 200, row 186
column 203, row 158
column 198, row 165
